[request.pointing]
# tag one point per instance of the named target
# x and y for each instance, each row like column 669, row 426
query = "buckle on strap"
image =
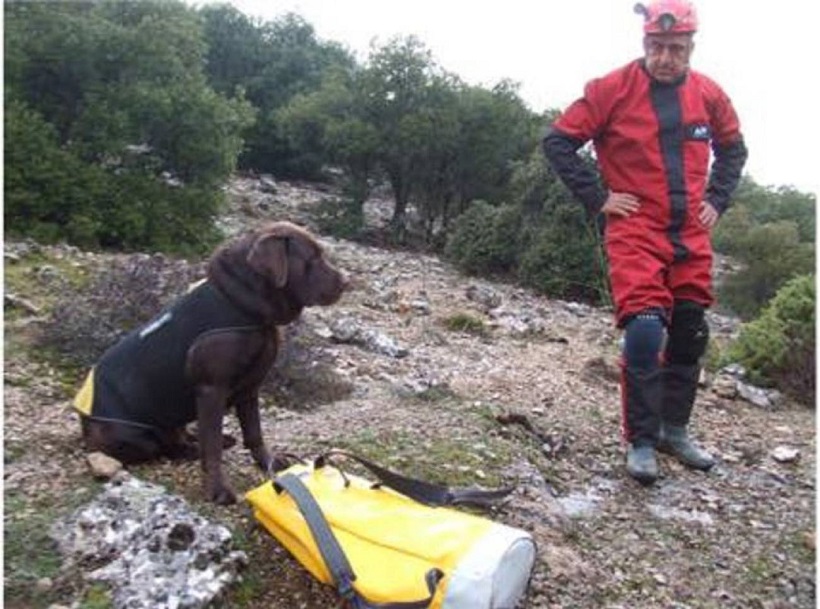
column 344, row 585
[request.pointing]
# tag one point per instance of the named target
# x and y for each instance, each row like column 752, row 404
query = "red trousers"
column 644, row 272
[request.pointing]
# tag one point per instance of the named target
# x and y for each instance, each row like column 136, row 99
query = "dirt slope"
column 525, row 393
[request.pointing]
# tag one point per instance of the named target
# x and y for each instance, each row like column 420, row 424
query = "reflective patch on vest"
column 699, row 132
column 156, row 324
column 196, row 284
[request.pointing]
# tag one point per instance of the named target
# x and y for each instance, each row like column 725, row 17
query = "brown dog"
column 208, row 351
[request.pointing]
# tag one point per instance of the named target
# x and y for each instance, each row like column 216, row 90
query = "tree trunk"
column 398, row 223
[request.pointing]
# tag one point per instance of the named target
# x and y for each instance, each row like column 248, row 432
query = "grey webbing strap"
column 333, row 554
column 331, row 551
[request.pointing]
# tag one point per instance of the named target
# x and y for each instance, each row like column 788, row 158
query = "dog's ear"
column 268, row 256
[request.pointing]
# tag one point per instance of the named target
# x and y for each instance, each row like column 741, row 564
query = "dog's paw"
column 278, row 462
column 271, row 464
column 262, row 458
column 221, row 494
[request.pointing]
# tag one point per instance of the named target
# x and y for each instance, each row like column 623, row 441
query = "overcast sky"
column 762, row 54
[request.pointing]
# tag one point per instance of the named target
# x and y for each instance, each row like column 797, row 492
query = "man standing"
column 651, row 123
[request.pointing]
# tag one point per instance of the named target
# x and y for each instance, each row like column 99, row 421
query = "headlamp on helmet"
column 668, row 17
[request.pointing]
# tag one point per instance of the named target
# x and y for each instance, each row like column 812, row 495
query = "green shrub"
column 729, row 233
column 565, row 259
column 754, row 205
column 146, row 214
column 486, row 239
column 341, row 218
column 464, row 322
column 778, row 348
column 52, row 195
column 772, row 254
column 49, row 193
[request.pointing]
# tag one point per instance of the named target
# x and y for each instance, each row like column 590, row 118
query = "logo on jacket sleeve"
column 699, row 131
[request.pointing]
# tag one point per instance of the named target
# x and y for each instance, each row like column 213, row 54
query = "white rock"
column 785, row 454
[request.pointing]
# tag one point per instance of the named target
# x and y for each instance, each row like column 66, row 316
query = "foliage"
column 772, row 254
column 340, row 218
column 443, row 144
column 755, row 205
column 732, row 228
column 543, row 240
column 771, row 232
column 332, row 121
column 49, row 192
column 166, row 94
column 108, row 102
column 565, row 259
column 271, row 63
column 236, row 52
column 464, row 322
column 485, row 239
column 399, row 80
column 496, row 132
column 778, row 348
column 439, row 143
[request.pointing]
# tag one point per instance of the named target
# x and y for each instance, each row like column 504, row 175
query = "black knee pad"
column 688, row 333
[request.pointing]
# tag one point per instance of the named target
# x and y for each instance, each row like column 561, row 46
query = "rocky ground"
column 459, row 380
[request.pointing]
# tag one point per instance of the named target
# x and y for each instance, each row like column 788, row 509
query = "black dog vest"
column 141, row 379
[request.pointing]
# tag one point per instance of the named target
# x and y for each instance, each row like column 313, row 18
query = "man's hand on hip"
column 708, row 215
column 620, row 204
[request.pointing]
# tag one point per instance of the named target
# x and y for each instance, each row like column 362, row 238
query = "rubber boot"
column 675, row 441
column 641, row 391
column 680, row 384
column 641, row 463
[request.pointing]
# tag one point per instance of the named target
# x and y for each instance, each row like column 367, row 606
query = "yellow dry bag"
column 395, row 543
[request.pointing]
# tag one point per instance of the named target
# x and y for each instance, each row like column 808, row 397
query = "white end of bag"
column 495, row 572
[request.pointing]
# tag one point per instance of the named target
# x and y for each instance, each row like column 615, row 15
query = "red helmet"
column 668, row 17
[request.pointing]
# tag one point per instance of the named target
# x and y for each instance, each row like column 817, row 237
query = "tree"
column 754, row 205
column 433, row 136
column 771, row 231
column 237, row 51
column 396, row 82
column 270, row 63
column 496, row 131
column 123, row 87
column 332, row 122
